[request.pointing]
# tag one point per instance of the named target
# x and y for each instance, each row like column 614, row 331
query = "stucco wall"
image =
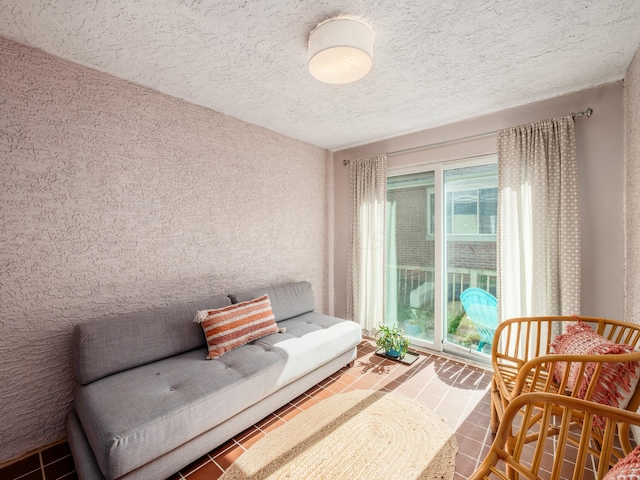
column 632, row 188
column 599, row 143
column 116, row 198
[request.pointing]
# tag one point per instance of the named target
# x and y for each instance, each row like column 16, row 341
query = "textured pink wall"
column 116, row 198
column 632, row 189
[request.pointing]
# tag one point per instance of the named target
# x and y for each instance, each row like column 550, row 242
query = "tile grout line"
column 487, row 435
column 418, row 370
column 469, row 403
column 394, row 368
column 44, row 477
column 195, row 469
column 55, row 461
column 229, row 448
column 29, row 473
column 65, row 475
column 218, row 465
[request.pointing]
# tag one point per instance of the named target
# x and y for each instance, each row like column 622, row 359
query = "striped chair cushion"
column 233, row 326
column 617, row 380
column 626, row 469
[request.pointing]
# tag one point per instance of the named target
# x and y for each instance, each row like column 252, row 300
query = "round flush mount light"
column 340, row 51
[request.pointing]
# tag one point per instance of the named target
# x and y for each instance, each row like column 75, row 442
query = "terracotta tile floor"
column 456, row 391
column 53, row 462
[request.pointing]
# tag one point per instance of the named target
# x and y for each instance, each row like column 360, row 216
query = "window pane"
column 470, row 246
column 488, row 210
column 465, row 212
column 432, row 211
column 410, row 255
column 449, row 209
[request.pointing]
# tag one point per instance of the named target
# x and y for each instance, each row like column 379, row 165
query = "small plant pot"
column 392, row 353
column 393, row 340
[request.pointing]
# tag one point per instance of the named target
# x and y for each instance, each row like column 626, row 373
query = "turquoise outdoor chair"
column 482, row 310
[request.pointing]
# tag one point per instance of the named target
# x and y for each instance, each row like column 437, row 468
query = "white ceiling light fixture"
column 340, row 51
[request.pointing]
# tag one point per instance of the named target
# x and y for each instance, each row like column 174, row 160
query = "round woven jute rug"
column 357, row 435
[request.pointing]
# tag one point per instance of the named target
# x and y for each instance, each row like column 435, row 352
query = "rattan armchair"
column 558, row 450
column 522, row 362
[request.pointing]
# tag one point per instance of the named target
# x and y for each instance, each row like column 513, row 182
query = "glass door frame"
column 438, row 168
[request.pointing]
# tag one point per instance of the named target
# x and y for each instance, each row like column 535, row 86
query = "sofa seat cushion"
column 311, row 340
column 137, row 415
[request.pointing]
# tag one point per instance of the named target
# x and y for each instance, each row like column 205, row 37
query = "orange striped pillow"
column 233, row 326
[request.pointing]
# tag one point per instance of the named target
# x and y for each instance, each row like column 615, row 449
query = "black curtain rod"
column 586, row 113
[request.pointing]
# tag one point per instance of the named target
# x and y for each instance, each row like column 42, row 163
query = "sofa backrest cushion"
column 111, row 345
column 287, row 300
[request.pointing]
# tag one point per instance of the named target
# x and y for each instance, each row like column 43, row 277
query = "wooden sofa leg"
column 351, row 364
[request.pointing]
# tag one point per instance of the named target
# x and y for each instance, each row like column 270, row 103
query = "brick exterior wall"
column 412, row 246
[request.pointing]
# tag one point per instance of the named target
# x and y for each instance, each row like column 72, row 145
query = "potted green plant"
column 393, row 340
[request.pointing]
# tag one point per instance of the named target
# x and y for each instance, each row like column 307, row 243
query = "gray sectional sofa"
column 147, row 403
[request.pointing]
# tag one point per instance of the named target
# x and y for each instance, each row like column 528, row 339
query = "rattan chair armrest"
column 539, row 369
column 569, row 409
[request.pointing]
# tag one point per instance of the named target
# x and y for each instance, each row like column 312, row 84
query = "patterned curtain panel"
column 538, row 220
column 366, row 269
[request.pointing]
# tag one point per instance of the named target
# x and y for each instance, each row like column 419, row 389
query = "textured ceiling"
column 435, row 62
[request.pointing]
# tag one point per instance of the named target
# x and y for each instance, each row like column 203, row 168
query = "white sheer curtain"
column 366, row 269
column 391, row 261
column 538, row 220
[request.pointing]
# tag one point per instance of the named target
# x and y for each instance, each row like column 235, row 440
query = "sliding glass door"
column 411, row 268
column 441, row 241
column 471, row 212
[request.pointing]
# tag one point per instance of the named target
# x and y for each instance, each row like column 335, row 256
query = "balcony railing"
column 420, row 281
